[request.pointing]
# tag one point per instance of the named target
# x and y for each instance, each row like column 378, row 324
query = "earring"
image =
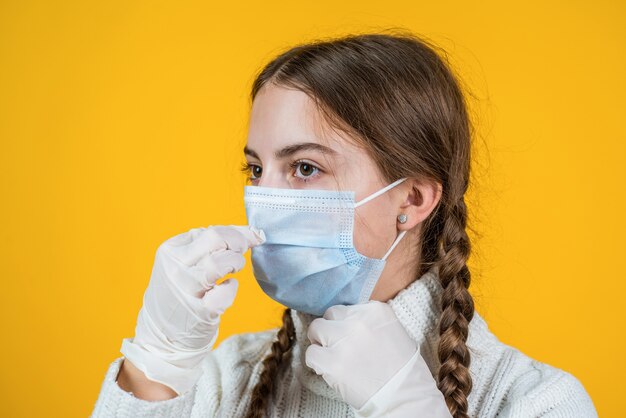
column 402, row 218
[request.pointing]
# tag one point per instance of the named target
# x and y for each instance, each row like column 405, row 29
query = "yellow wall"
column 122, row 123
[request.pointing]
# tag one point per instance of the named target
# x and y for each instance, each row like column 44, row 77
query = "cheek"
column 374, row 229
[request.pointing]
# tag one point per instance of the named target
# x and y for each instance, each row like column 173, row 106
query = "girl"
column 358, row 155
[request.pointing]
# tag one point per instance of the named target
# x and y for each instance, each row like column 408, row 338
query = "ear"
column 420, row 199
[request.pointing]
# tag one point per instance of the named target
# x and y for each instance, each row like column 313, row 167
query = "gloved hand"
column 363, row 352
column 182, row 305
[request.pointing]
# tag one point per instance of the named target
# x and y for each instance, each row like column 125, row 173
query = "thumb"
column 258, row 234
column 220, row 297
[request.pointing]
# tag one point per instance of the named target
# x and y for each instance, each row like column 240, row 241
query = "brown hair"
column 401, row 100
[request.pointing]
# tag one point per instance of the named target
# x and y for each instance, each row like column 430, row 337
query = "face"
column 290, row 146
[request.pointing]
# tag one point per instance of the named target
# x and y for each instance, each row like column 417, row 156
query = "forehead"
column 281, row 117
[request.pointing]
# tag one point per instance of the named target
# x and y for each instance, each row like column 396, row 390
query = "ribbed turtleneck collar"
column 418, row 307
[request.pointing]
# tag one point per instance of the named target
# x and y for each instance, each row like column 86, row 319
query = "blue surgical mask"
column 308, row 261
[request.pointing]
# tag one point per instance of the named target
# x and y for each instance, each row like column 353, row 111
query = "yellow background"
column 122, row 123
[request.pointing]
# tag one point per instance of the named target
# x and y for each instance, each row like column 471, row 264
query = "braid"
column 457, row 310
column 279, row 356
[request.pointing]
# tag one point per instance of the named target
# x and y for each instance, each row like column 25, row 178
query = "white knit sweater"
column 506, row 382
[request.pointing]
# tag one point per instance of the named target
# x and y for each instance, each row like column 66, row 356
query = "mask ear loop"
column 378, row 193
column 398, row 238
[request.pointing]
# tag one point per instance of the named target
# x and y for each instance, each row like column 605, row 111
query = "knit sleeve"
column 548, row 393
column 222, row 390
column 114, row 402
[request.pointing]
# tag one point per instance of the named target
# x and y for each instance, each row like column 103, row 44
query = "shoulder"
column 517, row 385
column 511, row 384
column 547, row 391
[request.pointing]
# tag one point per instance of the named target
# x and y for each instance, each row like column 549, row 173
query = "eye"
column 307, row 170
column 249, row 169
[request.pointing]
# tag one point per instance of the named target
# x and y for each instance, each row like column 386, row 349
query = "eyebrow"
column 294, row 148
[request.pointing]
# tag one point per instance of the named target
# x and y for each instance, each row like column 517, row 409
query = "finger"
column 256, row 237
column 318, row 358
column 327, row 332
column 216, row 238
column 190, row 246
column 184, row 238
column 240, row 237
column 230, row 237
column 220, row 298
column 217, row 265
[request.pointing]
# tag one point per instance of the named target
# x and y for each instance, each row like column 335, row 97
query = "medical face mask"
column 308, row 261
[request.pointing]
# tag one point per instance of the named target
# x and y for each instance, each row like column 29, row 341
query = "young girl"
column 358, row 155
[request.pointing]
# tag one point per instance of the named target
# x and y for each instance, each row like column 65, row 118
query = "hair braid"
column 280, row 355
column 457, row 310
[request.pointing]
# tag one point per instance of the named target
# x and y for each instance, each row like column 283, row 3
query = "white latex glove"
column 182, row 305
column 363, row 352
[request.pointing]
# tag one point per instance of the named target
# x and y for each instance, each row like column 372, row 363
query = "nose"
column 273, row 181
column 278, row 185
